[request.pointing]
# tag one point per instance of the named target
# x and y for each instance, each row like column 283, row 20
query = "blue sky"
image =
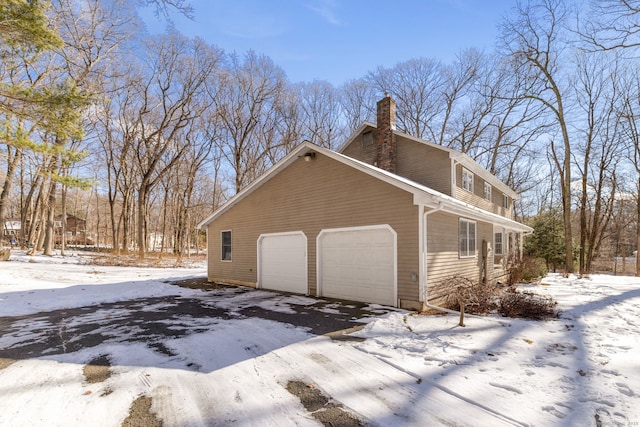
column 339, row 40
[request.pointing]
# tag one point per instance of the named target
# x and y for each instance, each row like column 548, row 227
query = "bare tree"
column 629, row 111
column 417, row 86
column 163, row 105
column 358, row 100
column 600, row 149
column 247, row 95
column 533, row 40
column 612, row 24
column 320, row 113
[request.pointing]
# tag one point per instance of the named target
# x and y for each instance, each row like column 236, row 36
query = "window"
column 367, row 139
column 497, row 243
column 467, row 238
column 226, row 245
column 505, row 201
column 467, row 180
column 487, row 191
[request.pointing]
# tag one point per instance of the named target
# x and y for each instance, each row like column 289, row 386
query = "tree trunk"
column 49, row 224
column 12, row 163
column 638, row 230
column 143, row 195
column 583, row 225
column 63, row 221
column 127, row 211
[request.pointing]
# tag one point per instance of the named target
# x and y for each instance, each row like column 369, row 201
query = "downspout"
column 422, row 228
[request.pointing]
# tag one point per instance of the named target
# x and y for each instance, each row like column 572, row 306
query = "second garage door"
column 282, row 262
column 358, row 264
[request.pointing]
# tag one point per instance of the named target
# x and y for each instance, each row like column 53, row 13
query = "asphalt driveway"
column 153, row 320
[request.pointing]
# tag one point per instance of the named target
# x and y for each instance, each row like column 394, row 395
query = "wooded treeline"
column 144, row 135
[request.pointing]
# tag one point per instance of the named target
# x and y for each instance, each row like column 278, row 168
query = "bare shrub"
column 529, row 269
column 527, row 305
column 477, row 298
column 133, row 260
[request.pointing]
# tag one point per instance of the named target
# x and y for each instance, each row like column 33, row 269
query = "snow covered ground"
column 582, row 369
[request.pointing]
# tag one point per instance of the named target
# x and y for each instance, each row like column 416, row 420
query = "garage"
column 282, row 262
column 358, row 264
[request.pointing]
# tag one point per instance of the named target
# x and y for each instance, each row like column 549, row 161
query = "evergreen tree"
column 31, row 100
column 547, row 241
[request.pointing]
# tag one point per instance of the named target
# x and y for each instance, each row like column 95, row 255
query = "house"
column 386, row 219
column 12, row 229
column 75, row 229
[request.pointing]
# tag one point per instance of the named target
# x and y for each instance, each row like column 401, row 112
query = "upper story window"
column 487, row 191
column 467, row 180
column 467, row 239
column 505, row 201
column 225, row 247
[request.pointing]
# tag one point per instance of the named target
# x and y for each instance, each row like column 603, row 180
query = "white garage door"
column 282, row 262
column 358, row 264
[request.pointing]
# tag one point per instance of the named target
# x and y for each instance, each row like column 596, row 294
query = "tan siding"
column 423, row 164
column 416, row 161
column 431, row 167
column 443, row 261
column 310, row 196
column 359, row 150
column 477, row 197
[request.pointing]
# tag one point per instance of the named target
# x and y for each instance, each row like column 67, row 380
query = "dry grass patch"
column 5, row 363
column 140, row 414
column 98, row 370
column 322, row 407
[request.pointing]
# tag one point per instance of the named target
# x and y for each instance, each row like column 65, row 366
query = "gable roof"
column 422, row 195
column 462, row 158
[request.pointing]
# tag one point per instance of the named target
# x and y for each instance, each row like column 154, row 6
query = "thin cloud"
column 326, row 9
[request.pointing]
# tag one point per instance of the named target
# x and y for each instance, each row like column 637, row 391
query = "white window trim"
column 487, row 191
column 221, row 246
column 471, row 252
column 468, row 182
column 498, row 231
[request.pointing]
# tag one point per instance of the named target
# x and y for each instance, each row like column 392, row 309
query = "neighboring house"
column 387, row 219
column 76, row 231
column 12, row 229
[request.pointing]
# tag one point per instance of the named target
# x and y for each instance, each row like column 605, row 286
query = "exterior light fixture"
column 309, row 156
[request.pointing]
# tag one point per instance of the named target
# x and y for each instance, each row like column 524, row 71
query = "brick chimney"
column 386, row 140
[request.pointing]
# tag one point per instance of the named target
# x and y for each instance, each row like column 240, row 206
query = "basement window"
column 225, row 239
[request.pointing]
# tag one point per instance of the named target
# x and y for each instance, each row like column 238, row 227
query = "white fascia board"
column 432, row 199
column 429, row 197
column 422, row 195
column 473, row 212
column 426, row 196
column 475, row 167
